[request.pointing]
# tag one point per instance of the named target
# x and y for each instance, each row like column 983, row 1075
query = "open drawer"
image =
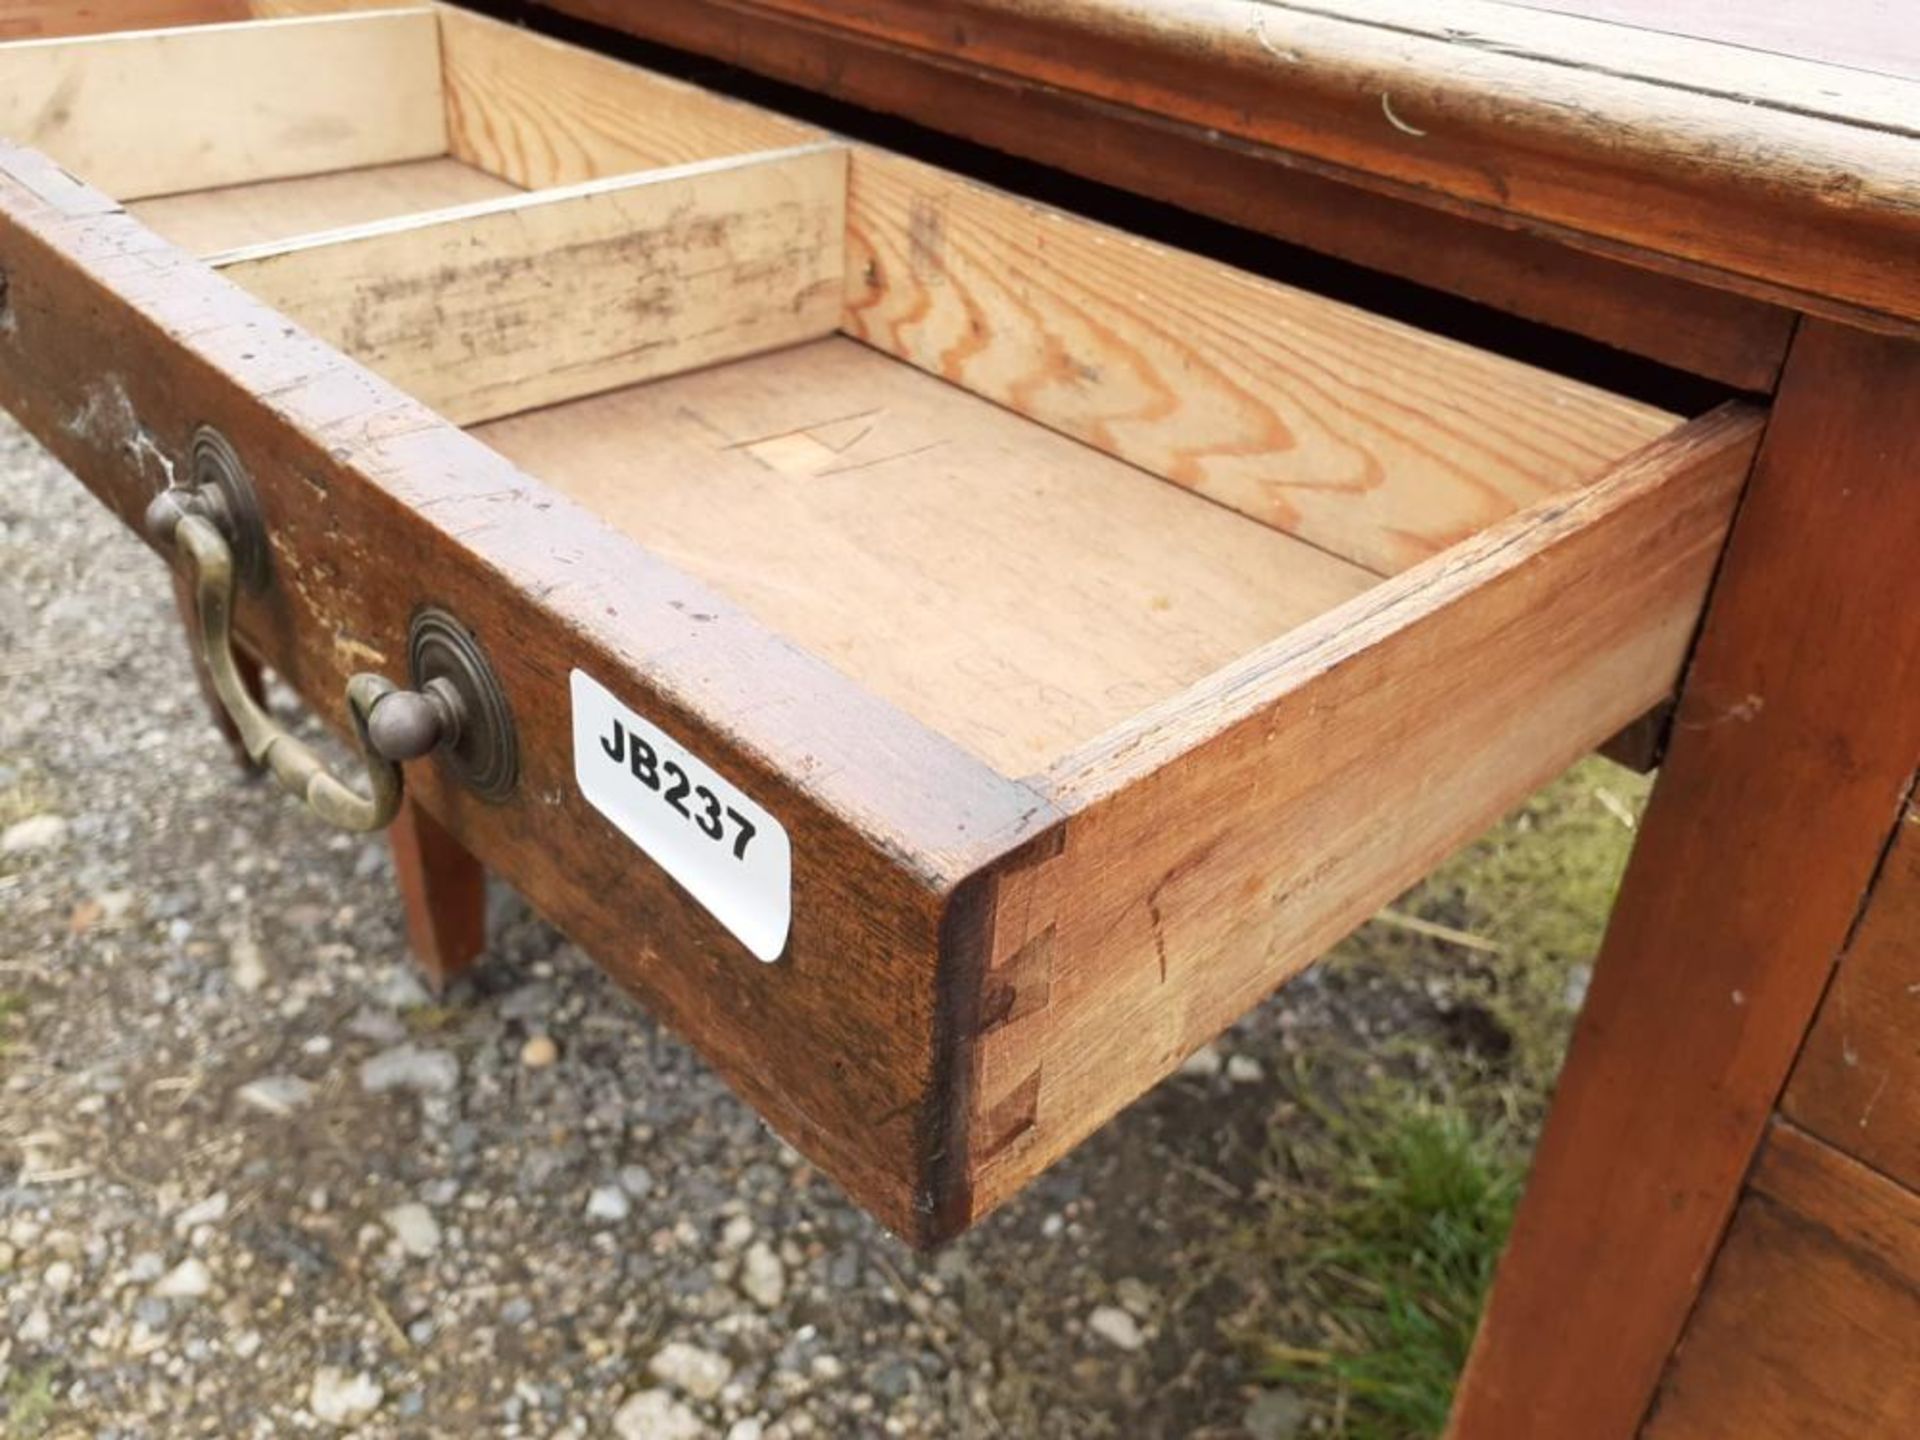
column 958, row 657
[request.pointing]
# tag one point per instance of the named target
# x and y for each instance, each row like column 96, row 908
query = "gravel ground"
column 254, row 1180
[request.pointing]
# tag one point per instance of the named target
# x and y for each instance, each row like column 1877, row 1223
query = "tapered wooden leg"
column 1797, row 730
column 444, row 890
column 248, row 667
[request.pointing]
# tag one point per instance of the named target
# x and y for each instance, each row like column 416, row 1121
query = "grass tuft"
column 13, row 1004
column 1540, row 885
column 1399, row 1153
column 1399, row 1265
column 29, row 1403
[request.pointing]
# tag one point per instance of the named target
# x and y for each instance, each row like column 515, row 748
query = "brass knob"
column 407, row 724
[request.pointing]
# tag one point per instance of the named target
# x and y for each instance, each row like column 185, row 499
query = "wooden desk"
column 1730, row 189
column 1722, row 1231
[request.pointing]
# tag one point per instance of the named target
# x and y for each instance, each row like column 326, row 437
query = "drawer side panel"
column 1857, row 1083
column 162, row 112
column 1809, row 1326
column 540, row 113
column 1223, row 844
column 1378, row 442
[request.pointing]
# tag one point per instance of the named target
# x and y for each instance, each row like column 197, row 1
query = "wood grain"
column 1483, row 256
column 286, row 9
column 1868, row 1212
column 159, row 112
column 1809, row 1328
column 540, row 113
column 1367, row 438
column 114, row 341
column 31, row 19
column 1706, row 174
column 28, row 19
column 1013, row 590
column 208, row 221
column 1859, row 34
column 1779, row 79
column 534, row 299
column 1857, row 1083
column 1784, row 773
column 1227, row 837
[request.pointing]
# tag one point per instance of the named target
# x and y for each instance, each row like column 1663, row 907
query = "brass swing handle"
column 389, row 724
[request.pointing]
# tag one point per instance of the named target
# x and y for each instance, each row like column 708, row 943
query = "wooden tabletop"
column 1769, row 147
column 1881, row 36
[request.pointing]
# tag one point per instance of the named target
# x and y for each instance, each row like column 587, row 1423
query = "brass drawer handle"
column 185, row 518
column 458, row 708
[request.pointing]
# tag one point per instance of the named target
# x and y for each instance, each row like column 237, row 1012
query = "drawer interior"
column 1011, row 587
column 1022, row 476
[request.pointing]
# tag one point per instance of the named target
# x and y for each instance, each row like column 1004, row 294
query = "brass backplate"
column 215, row 467
column 485, row 752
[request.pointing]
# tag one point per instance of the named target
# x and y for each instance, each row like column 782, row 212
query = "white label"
column 729, row 854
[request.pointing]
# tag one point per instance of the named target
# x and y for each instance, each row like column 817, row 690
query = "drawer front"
column 1857, row 1082
column 1104, row 630
column 1809, row 1323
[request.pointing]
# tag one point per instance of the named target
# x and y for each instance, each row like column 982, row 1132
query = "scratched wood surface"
column 1039, row 723
column 1787, row 179
column 1809, row 1325
column 158, row 112
column 1857, row 1082
column 516, row 303
column 1871, row 35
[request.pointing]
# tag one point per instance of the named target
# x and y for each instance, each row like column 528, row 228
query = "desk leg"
column 1798, row 725
column 444, row 890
